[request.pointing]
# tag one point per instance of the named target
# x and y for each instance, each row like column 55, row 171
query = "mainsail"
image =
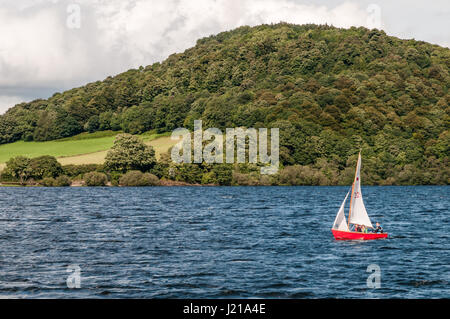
column 358, row 214
column 340, row 223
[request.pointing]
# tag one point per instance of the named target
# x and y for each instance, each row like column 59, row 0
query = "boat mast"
column 353, row 192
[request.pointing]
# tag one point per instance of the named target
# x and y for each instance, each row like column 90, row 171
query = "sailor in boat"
column 378, row 228
column 363, row 229
column 366, row 230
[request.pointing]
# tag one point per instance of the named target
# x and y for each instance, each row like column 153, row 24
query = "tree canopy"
column 130, row 153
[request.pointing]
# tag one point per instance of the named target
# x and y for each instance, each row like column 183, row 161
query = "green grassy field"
column 86, row 148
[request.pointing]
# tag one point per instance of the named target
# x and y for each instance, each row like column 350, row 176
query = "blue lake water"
column 220, row 242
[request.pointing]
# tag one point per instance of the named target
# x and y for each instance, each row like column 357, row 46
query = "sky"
column 49, row 46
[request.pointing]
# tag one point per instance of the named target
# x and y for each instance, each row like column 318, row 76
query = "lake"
column 219, row 242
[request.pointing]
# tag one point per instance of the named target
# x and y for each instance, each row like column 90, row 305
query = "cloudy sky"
column 48, row 46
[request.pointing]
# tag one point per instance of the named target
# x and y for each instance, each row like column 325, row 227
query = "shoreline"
column 77, row 184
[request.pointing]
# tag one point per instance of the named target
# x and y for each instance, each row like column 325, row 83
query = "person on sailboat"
column 378, row 228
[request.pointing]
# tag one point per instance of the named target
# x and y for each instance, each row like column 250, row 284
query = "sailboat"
column 357, row 215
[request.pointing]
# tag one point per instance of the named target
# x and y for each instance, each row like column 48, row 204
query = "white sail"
column 358, row 213
column 340, row 223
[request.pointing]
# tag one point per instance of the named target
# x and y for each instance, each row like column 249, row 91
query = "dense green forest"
column 330, row 91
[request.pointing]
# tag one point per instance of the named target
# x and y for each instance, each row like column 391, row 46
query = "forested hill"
column 330, row 91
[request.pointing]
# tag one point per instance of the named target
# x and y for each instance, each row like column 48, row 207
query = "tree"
column 19, row 167
column 44, row 166
column 130, row 153
column 189, row 173
column 95, row 179
column 223, row 173
column 137, row 120
column 105, row 121
column 62, row 181
column 137, row 178
column 92, row 124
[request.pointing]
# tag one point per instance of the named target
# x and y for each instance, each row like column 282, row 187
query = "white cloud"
column 6, row 101
column 38, row 50
column 151, row 30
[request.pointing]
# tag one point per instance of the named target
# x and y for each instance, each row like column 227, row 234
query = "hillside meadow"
column 85, row 148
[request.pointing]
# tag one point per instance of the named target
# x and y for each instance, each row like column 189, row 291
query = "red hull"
column 345, row 235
